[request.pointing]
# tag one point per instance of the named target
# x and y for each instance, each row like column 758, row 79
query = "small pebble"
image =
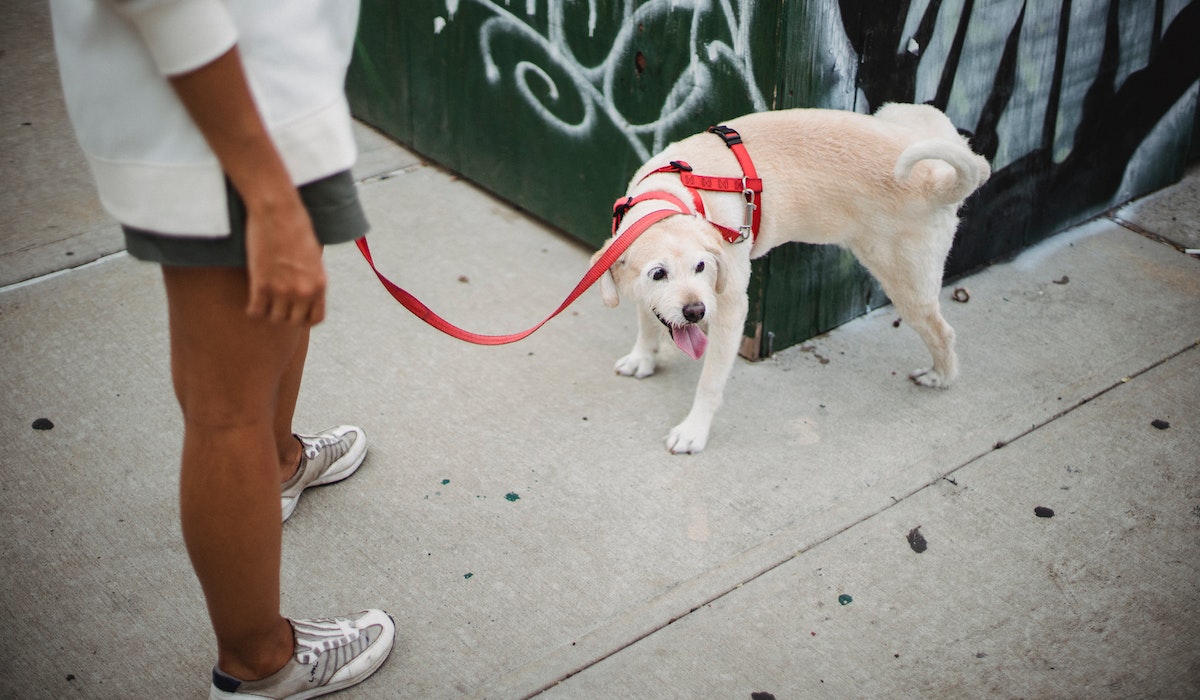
column 1157, row 423
column 43, row 424
column 1043, row 512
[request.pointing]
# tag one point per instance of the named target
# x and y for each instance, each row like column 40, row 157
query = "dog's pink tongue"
column 690, row 339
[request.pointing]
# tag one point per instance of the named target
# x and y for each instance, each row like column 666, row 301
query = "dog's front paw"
column 687, row 438
column 636, row 364
column 930, row 378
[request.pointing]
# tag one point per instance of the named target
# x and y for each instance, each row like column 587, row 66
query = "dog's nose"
column 694, row 312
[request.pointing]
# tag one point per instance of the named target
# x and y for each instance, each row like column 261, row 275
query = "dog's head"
column 675, row 271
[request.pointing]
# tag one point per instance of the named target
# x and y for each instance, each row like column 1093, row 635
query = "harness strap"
column 750, row 186
column 733, row 140
column 610, row 256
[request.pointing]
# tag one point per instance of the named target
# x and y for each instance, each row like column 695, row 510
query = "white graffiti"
column 595, row 85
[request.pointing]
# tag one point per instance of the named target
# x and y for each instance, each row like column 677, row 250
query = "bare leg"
column 229, row 372
column 285, row 442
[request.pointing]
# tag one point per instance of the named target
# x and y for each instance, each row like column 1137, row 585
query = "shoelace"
column 313, row 447
column 315, row 637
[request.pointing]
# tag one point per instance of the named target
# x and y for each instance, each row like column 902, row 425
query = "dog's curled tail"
column 970, row 169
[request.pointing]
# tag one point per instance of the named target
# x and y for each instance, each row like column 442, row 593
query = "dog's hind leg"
column 911, row 276
column 926, row 319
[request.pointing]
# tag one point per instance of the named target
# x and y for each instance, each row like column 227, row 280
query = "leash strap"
column 610, row 256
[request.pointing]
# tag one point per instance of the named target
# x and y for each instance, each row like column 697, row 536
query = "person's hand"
column 283, row 260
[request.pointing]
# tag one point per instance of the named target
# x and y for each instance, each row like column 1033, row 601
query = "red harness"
column 749, row 185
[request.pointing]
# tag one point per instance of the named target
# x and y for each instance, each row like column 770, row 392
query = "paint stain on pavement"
column 512, row 496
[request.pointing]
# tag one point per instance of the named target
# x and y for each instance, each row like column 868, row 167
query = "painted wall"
column 1079, row 104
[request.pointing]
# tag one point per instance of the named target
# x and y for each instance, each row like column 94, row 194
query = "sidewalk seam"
column 58, row 273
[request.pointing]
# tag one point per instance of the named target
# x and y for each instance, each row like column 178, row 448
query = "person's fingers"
column 301, row 303
column 258, row 305
column 316, row 313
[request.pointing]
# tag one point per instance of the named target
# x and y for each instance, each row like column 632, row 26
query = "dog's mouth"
column 689, row 338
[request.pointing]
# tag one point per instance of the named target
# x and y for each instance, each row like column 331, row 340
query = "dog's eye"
column 700, row 267
column 658, row 274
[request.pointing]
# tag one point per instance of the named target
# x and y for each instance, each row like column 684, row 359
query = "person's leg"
column 229, row 371
column 286, row 444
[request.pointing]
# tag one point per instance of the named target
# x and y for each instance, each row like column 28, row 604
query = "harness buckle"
column 620, row 208
column 730, row 136
column 746, row 230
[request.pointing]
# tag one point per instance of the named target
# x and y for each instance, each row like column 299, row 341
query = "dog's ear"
column 718, row 253
column 608, row 284
column 608, row 289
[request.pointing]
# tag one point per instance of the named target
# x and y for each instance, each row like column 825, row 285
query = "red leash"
column 606, row 261
column 749, row 185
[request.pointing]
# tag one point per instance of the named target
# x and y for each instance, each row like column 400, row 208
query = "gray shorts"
column 332, row 203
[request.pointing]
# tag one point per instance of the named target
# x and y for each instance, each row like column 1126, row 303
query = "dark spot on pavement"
column 1043, row 512
column 916, row 540
column 43, row 424
column 1160, row 424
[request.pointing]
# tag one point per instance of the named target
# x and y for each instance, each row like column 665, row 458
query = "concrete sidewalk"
column 521, row 518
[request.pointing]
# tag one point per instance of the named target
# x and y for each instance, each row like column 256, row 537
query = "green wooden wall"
column 552, row 104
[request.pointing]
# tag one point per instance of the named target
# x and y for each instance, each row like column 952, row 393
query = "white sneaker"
column 331, row 654
column 328, row 456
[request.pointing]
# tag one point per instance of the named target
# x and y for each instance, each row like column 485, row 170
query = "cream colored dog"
column 887, row 187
